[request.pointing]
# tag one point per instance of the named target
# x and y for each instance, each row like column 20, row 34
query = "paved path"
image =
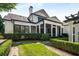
column 56, row 50
column 1, row 40
column 14, row 51
column 59, row 52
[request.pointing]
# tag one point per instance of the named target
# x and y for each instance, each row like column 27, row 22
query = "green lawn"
column 34, row 49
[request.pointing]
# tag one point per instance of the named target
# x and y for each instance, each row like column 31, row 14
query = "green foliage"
column 1, row 25
column 8, row 35
column 1, row 36
column 65, row 35
column 35, row 50
column 61, row 38
column 29, row 36
column 44, row 37
column 66, row 45
column 7, row 6
column 5, row 48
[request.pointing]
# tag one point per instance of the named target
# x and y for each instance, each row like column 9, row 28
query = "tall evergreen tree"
column 1, row 25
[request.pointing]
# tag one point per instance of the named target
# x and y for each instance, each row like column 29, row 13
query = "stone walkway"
column 1, row 41
column 13, row 51
column 59, row 52
column 56, row 50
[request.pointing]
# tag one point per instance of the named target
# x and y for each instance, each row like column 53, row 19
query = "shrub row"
column 61, row 38
column 1, row 36
column 66, row 45
column 30, row 36
column 64, row 34
column 5, row 48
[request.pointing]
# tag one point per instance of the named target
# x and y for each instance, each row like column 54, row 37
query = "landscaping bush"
column 29, row 36
column 61, row 38
column 1, row 36
column 44, row 37
column 65, row 35
column 5, row 48
column 8, row 35
column 66, row 45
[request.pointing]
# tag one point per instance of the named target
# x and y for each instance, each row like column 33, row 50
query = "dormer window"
column 40, row 18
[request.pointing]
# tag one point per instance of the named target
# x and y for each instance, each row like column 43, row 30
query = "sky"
column 53, row 9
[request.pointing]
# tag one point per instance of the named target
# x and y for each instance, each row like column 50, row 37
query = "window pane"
column 17, row 28
column 22, row 29
column 26, row 29
column 33, row 29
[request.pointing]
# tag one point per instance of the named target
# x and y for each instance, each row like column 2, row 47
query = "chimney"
column 30, row 9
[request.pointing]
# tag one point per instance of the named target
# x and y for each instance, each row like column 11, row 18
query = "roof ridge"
column 38, row 10
column 17, row 15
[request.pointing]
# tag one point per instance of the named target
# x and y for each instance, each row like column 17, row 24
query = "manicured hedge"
column 5, row 48
column 66, row 45
column 61, row 38
column 1, row 36
column 29, row 36
column 44, row 37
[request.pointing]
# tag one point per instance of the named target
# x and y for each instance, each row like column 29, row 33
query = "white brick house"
column 36, row 22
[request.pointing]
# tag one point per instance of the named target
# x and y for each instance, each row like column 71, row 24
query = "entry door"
column 54, row 32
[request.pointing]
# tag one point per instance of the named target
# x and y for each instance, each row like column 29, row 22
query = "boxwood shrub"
column 66, row 45
column 44, row 37
column 29, row 36
column 5, row 48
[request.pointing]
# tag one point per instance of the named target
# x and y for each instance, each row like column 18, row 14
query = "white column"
column 51, row 30
column 30, row 29
column 56, row 30
column 36, row 29
column 44, row 28
column 39, row 29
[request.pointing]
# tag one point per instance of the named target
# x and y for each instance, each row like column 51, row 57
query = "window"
column 40, row 18
column 48, row 28
column 73, row 34
column 42, row 28
column 17, row 28
column 73, row 30
column 33, row 29
column 37, row 29
column 78, row 36
column 22, row 29
column 26, row 29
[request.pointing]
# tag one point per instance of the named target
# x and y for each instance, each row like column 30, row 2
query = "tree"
column 7, row 6
column 1, row 25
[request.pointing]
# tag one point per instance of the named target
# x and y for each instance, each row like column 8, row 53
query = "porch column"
column 39, row 29
column 56, row 30
column 30, row 29
column 51, row 30
column 44, row 28
column 36, row 29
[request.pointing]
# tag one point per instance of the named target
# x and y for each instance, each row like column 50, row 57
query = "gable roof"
column 15, row 17
column 54, row 18
column 41, row 12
